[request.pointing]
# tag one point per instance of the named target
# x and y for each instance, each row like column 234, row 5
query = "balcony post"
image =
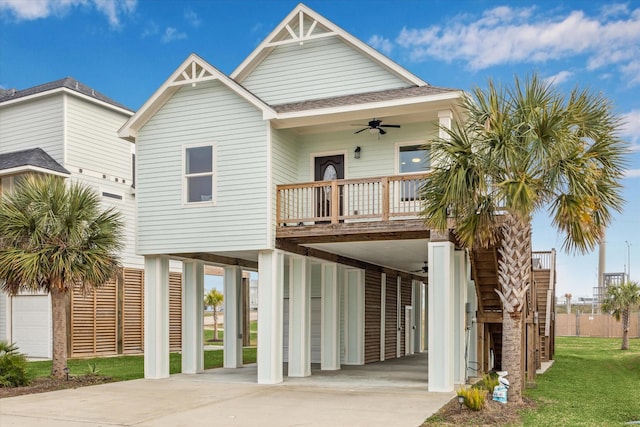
column 335, row 200
column 384, row 188
column 279, row 207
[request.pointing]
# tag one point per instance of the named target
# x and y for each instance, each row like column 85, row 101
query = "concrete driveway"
column 380, row 394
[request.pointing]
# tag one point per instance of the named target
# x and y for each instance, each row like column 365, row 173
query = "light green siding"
column 208, row 113
column 92, row 139
column 378, row 156
column 32, row 124
column 317, row 69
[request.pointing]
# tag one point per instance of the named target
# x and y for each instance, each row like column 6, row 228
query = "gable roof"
column 292, row 30
column 35, row 160
column 67, row 83
column 362, row 98
column 192, row 71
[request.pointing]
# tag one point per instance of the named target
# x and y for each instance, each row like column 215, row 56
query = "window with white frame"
column 412, row 158
column 199, row 174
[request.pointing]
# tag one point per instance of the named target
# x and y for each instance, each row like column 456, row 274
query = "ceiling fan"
column 375, row 126
column 424, row 269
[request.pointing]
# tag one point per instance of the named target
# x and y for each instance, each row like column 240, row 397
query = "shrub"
column 488, row 382
column 12, row 366
column 474, row 398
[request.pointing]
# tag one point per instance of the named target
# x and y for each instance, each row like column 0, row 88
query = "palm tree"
column 518, row 150
column 214, row 299
column 619, row 301
column 55, row 237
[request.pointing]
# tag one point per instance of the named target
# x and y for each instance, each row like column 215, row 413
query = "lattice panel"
column 94, row 323
column 175, row 311
column 133, row 311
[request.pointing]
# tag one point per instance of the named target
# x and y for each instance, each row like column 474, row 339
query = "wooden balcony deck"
column 375, row 199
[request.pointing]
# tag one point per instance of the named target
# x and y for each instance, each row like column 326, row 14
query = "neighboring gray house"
column 68, row 129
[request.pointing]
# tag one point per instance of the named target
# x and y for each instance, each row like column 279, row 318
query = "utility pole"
column 628, row 259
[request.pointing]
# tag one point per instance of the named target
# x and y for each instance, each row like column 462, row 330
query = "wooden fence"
column 595, row 325
column 110, row 320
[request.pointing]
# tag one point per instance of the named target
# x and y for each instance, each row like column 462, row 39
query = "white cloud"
column 192, row 18
column 504, row 35
column 150, row 30
column 559, row 78
column 382, row 44
column 171, row 34
column 632, row 173
column 631, row 128
column 28, row 10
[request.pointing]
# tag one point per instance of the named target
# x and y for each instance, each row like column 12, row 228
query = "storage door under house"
column 110, row 320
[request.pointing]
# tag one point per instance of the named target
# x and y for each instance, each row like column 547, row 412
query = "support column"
column 270, row 312
column 354, row 317
column 330, row 314
column 299, row 317
column 441, row 320
column 232, row 317
column 416, row 303
column 192, row 317
column 156, row 316
column 383, row 314
column 459, row 332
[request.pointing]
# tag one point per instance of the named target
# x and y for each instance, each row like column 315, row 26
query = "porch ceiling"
column 404, row 255
column 337, row 119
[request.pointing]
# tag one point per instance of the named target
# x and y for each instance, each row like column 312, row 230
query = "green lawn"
column 592, row 383
column 253, row 332
column 130, row 367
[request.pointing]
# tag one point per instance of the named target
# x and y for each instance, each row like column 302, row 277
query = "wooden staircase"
column 539, row 315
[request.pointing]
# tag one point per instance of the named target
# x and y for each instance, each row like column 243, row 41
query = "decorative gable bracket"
column 299, row 29
column 193, row 73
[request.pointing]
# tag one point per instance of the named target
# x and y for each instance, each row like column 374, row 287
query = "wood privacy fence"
column 595, row 325
column 110, row 320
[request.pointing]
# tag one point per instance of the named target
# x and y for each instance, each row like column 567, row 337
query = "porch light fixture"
column 460, row 402
column 356, row 153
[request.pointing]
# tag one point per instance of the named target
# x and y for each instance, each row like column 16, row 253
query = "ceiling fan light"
column 374, row 130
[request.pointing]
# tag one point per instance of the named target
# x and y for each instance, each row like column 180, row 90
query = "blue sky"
column 127, row 48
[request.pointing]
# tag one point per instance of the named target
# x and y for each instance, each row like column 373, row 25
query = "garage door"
column 31, row 325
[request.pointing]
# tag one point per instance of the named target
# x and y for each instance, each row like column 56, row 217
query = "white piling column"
column 232, row 317
column 330, row 314
column 440, row 313
column 192, row 317
column 156, row 316
column 299, row 317
column 459, row 332
column 270, row 316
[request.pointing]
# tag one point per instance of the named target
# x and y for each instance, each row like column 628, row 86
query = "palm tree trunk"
column 625, row 329
column 514, row 276
column 215, row 324
column 59, row 316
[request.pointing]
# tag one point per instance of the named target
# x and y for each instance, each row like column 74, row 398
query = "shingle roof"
column 67, row 82
column 33, row 157
column 362, row 98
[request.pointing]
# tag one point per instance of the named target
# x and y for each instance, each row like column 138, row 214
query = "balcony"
column 376, row 199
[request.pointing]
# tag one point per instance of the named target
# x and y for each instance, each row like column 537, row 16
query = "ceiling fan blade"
column 389, row 126
column 382, row 131
column 361, row 130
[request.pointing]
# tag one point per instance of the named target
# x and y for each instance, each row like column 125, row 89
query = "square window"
column 413, row 158
column 198, row 174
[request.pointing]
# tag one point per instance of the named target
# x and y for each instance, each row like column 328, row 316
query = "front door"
column 328, row 168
